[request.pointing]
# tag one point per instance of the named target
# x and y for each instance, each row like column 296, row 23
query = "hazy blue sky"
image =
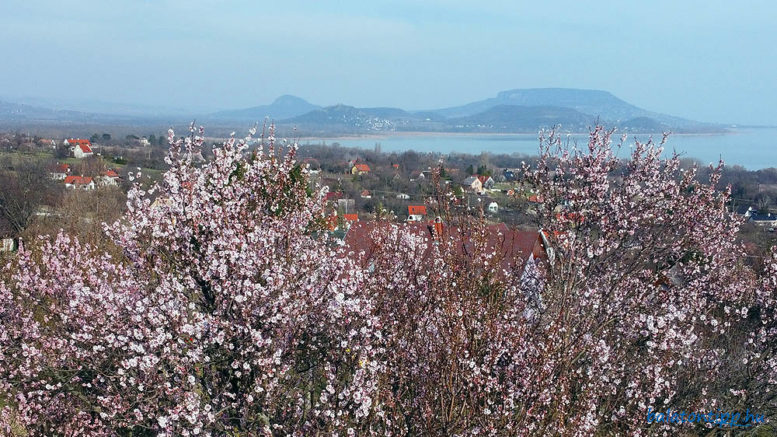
column 706, row 60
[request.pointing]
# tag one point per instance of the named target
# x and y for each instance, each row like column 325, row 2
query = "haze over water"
column 752, row 148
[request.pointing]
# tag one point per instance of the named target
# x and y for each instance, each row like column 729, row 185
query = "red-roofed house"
column 486, row 181
column 109, row 177
column 333, row 220
column 332, row 196
column 82, row 182
column 59, row 172
column 473, row 183
column 81, row 148
column 416, row 213
column 513, row 248
column 360, row 169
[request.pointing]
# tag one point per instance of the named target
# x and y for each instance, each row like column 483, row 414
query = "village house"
column 493, row 207
column 79, row 182
column 417, row 176
column 350, row 219
column 108, row 178
column 746, row 211
column 365, row 194
column 45, row 142
column 346, row 205
column 81, row 148
column 59, row 172
column 333, row 196
column 416, row 213
column 486, row 181
column 761, row 219
column 334, row 221
column 360, row 169
column 474, row 184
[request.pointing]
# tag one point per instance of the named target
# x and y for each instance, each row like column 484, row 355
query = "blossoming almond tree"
column 642, row 289
column 228, row 313
column 454, row 326
column 225, row 316
column 644, row 280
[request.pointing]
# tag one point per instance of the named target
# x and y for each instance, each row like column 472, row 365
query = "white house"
column 486, row 181
column 473, row 183
column 79, row 182
column 59, row 172
column 761, row 219
column 109, row 178
column 416, row 213
column 493, row 207
column 81, row 148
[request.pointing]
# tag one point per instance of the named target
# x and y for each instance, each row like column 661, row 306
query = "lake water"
column 751, row 148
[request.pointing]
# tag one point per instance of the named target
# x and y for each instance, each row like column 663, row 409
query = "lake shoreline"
column 414, row 134
column 752, row 148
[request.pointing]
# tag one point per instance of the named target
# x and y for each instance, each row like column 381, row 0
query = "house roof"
column 333, row 195
column 331, row 220
column 471, row 180
column 61, row 168
column 760, row 217
column 83, row 180
column 111, row 174
column 84, row 145
column 513, row 247
column 744, row 209
column 362, row 167
column 416, row 209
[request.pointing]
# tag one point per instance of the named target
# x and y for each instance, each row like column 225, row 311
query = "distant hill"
column 16, row 111
column 512, row 111
column 594, row 102
column 283, row 107
column 520, row 110
column 507, row 118
column 16, row 114
column 599, row 104
column 348, row 118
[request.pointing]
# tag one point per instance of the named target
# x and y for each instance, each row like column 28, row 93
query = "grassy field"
column 11, row 158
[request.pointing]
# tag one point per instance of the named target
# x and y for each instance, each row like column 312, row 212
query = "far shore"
column 384, row 135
